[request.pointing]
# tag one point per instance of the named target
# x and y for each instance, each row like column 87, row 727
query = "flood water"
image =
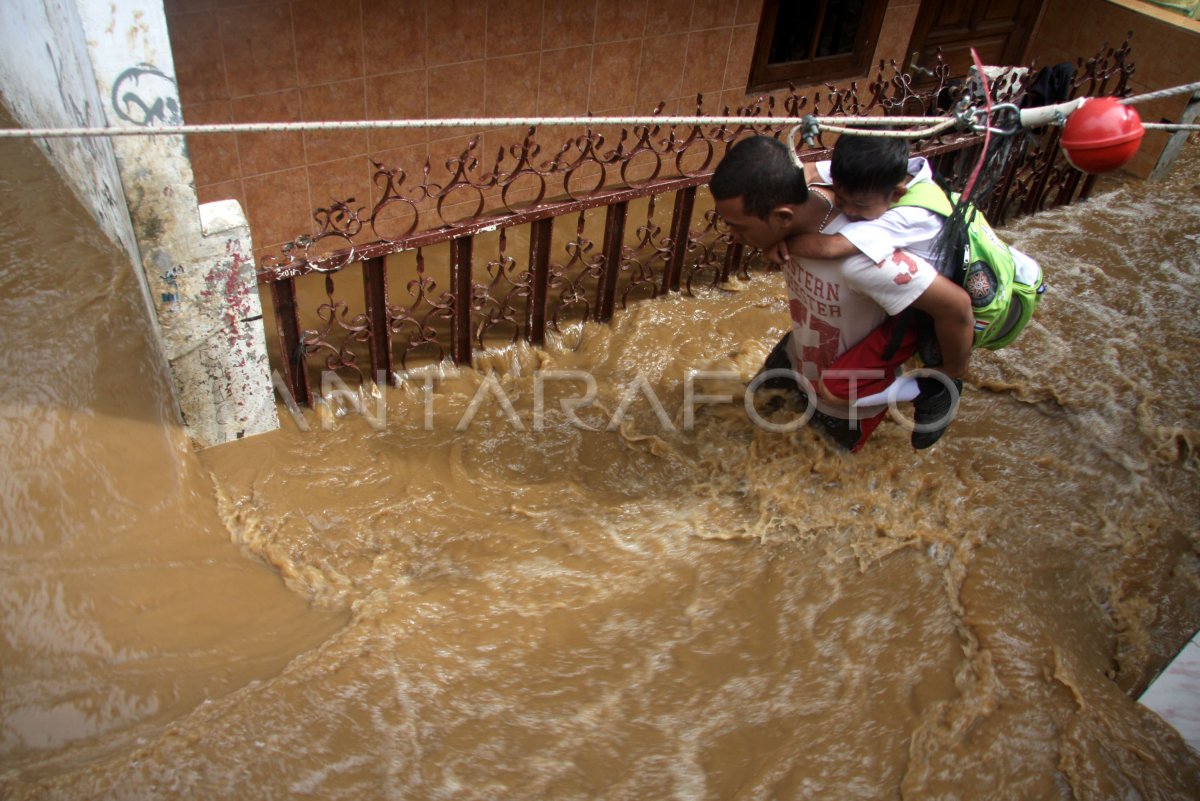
column 530, row 608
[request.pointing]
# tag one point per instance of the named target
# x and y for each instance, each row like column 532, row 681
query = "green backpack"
column 1003, row 305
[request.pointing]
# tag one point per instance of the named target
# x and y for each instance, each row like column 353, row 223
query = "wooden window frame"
column 813, row 70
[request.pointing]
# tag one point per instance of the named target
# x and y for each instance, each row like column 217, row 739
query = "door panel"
column 998, row 30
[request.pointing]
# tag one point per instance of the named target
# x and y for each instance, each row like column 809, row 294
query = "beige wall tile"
column 620, row 19
column 453, row 31
column 238, row 3
column 277, row 206
column 341, row 180
column 660, row 75
column 614, row 74
column 741, row 53
column 397, row 96
column 214, row 156
column 514, row 26
column 511, row 86
column 196, row 49
column 177, row 7
column 707, row 54
column 258, row 48
column 329, row 43
column 665, row 17
column 225, row 190
column 563, row 84
column 566, row 24
column 894, row 36
column 269, row 152
column 330, row 102
column 712, row 14
column 749, row 12
column 393, row 35
column 456, row 90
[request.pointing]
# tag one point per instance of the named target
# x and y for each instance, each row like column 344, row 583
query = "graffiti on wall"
column 145, row 96
column 79, row 109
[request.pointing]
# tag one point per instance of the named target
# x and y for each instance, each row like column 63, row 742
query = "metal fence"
column 572, row 232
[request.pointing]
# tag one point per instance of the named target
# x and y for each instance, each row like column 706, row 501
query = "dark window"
column 809, row 42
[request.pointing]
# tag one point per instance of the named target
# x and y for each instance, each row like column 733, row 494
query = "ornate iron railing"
column 647, row 167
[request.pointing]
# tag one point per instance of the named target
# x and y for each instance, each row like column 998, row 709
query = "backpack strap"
column 927, row 195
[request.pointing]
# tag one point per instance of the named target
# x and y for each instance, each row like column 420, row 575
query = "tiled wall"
column 1164, row 47
column 292, row 60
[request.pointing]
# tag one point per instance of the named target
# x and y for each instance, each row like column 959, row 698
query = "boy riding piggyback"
column 893, row 207
column 834, row 350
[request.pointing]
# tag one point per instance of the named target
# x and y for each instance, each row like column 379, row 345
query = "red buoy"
column 1102, row 135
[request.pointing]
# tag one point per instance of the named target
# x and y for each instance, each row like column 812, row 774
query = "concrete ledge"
column 221, row 216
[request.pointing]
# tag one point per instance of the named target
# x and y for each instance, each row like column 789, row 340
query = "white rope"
column 948, row 122
column 930, row 125
column 465, row 122
column 1170, row 126
column 1174, row 90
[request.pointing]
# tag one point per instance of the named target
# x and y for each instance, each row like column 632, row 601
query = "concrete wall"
column 85, row 63
column 196, row 261
column 46, row 81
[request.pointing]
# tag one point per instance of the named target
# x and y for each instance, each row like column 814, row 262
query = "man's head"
column 758, row 190
column 869, row 174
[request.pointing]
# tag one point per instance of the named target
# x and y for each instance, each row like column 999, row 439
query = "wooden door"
column 999, row 30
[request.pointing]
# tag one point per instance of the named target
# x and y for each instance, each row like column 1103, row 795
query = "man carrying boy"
column 838, row 303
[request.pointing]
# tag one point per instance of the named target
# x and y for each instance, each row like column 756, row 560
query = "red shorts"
column 868, row 356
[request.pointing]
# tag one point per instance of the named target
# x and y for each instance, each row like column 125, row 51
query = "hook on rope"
column 978, row 120
column 811, row 129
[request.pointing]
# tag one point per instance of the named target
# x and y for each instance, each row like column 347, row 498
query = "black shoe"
column 935, row 406
column 845, row 435
column 778, row 359
column 779, row 391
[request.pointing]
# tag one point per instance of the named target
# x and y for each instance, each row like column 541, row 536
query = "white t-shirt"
column 835, row 303
column 909, row 228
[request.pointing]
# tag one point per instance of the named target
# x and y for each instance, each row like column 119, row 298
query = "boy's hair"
column 869, row 164
column 760, row 172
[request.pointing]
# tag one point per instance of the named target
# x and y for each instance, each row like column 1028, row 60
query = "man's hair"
column 760, row 172
column 869, row 164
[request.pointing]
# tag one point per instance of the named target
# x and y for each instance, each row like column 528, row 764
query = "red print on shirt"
column 799, row 313
column 824, row 350
column 899, row 259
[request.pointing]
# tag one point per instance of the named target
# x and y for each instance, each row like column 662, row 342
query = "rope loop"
column 980, row 121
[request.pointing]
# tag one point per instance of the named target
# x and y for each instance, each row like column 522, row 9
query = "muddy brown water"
column 563, row 612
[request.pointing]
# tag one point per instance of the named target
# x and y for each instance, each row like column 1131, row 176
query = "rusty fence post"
column 733, row 260
column 375, row 295
column 681, row 222
column 540, row 240
column 460, row 289
column 287, row 325
column 614, row 237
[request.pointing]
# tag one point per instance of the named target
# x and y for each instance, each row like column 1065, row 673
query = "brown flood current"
column 565, row 613
column 123, row 604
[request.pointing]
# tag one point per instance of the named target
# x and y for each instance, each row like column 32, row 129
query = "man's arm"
column 953, row 322
column 821, row 246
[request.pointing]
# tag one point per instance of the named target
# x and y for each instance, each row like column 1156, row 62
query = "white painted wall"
column 201, row 275
column 84, row 63
column 46, row 81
